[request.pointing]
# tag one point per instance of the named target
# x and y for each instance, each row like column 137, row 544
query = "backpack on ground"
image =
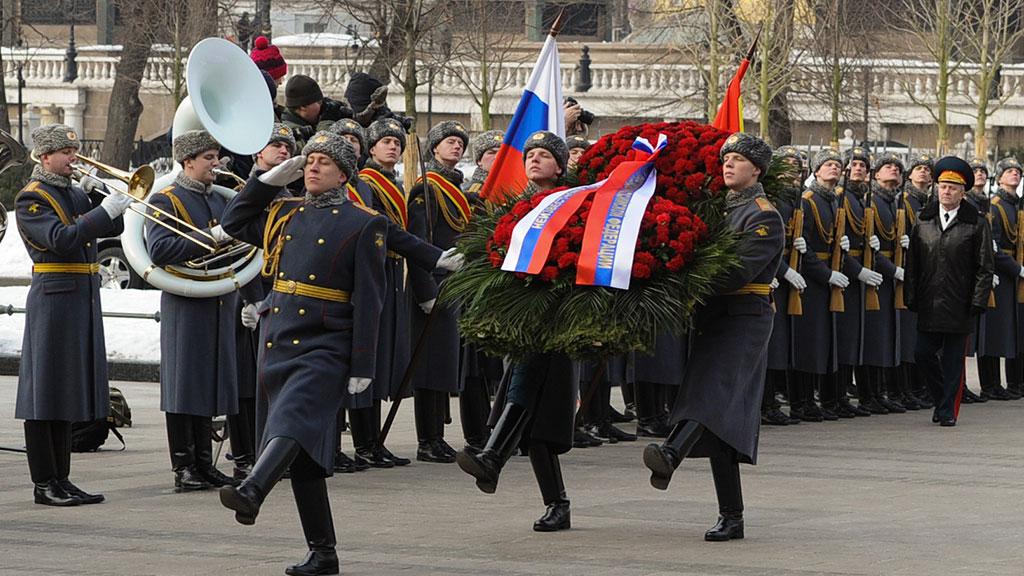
column 89, row 436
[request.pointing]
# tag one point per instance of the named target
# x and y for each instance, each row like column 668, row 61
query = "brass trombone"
column 139, row 183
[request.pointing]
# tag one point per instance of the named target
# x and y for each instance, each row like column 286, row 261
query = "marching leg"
column 474, row 407
column 247, row 498
column 486, row 465
column 242, row 433
column 314, row 506
column 726, row 472
column 664, row 459
column 364, row 438
column 398, row 460
column 548, row 472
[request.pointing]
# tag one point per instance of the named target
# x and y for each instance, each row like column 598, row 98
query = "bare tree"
column 125, row 105
column 931, row 26
column 484, row 51
column 5, row 119
column 774, row 66
column 832, row 75
column 406, row 32
column 990, row 33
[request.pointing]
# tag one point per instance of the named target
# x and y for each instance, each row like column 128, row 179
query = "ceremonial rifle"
column 898, row 255
column 795, row 306
column 1020, row 256
column 836, row 303
column 870, row 292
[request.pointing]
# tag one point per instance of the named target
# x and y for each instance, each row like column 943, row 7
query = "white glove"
column 774, row 283
column 899, row 273
column 905, row 241
column 357, row 385
column 800, row 244
column 116, row 203
column 869, row 277
column 90, row 183
column 995, row 246
column 795, row 279
column 839, row 279
column 219, row 235
column 249, row 316
column 995, row 281
column 284, row 173
column 1021, row 274
column 874, row 243
column 451, row 261
column 428, row 305
column 844, row 243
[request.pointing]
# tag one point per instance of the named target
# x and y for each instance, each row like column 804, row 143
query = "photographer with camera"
column 577, row 120
column 308, row 111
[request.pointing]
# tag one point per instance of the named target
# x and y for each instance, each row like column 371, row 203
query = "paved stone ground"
column 892, row 495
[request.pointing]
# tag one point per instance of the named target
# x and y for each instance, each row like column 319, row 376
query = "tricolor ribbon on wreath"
column 612, row 227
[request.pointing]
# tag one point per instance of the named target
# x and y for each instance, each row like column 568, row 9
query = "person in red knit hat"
column 268, row 58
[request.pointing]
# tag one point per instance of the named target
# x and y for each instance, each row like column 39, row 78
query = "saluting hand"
column 284, row 173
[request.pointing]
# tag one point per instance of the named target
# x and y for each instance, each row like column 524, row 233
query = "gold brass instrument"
column 139, row 183
column 239, row 181
column 12, row 154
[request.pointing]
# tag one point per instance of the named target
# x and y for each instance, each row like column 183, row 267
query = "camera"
column 586, row 117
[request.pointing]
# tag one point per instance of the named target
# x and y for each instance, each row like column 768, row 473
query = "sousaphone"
column 228, row 98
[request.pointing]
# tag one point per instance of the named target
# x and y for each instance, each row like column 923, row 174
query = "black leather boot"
column 247, row 498
column 486, row 465
column 726, row 473
column 182, row 446
column 61, row 436
column 664, row 459
column 242, row 434
column 549, row 478
column 364, row 439
column 318, row 526
column 650, row 417
column 51, row 494
column 474, row 408
column 202, row 432
column 429, row 427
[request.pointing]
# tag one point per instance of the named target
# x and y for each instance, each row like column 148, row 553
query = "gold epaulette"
column 764, row 204
column 366, row 209
column 996, row 199
column 807, row 195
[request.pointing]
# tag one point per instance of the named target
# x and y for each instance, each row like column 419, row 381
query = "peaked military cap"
column 953, row 170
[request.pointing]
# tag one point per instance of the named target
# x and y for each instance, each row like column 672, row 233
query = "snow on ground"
column 127, row 339
column 14, row 260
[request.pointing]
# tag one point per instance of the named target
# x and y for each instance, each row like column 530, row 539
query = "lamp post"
column 71, row 55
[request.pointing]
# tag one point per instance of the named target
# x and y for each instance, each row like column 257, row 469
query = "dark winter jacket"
column 949, row 272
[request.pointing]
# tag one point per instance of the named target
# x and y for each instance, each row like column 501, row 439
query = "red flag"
column 730, row 113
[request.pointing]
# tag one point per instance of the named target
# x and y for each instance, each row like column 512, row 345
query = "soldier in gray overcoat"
column 535, row 405
column 910, row 388
column 63, row 373
column 1002, row 334
column 988, row 367
column 198, row 348
column 242, row 426
column 881, row 351
column 318, row 329
column 814, row 359
column 449, row 210
column 717, row 413
column 850, row 322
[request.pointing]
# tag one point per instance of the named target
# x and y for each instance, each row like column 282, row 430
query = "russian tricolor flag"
column 539, row 109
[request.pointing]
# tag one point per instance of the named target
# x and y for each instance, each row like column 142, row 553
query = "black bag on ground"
column 89, row 436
